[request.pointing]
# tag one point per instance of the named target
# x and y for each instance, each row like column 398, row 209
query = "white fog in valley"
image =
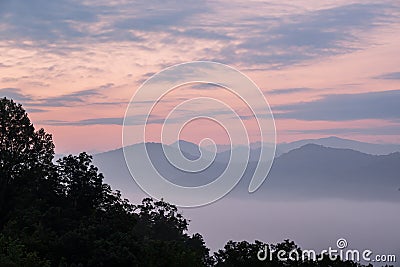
column 313, row 224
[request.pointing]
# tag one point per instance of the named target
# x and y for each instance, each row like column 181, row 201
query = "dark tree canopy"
column 63, row 214
column 22, row 148
column 25, row 154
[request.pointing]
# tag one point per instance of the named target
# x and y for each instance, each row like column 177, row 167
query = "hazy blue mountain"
column 336, row 142
column 192, row 151
column 311, row 171
column 318, row 171
column 332, row 141
column 187, row 148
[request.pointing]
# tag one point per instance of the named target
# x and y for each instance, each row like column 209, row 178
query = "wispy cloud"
column 43, row 19
column 35, row 110
column 206, row 86
column 381, row 130
column 345, row 107
column 130, row 121
column 95, row 121
column 389, row 76
column 284, row 91
column 15, row 94
column 324, row 32
column 81, row 22
column 2, row 65
column 161, row 16
column 259, row 39
column 67, row 100
column 82, row 97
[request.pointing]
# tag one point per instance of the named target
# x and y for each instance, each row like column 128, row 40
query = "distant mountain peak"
column 182, row 141
column 337, row 142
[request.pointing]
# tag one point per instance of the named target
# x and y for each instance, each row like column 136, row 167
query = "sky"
column 325, row 67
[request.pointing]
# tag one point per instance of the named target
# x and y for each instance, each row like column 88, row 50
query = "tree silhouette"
column 83, row 184
column 239, row 254
column 25, row 155
column 63, row 214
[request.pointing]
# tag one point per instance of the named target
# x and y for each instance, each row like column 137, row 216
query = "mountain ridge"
column 306, row 172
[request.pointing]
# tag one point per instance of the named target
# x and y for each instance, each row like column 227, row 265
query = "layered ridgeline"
column 305, row 172
column 332, row 141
